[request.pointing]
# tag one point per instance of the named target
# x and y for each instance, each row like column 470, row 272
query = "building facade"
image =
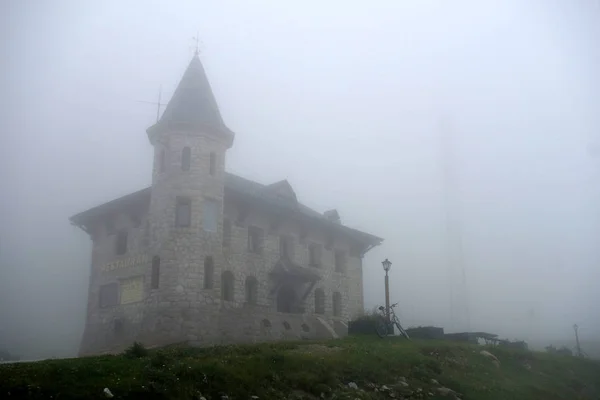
column 207, row 257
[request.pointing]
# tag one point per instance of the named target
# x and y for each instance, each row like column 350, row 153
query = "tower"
column 186, row 203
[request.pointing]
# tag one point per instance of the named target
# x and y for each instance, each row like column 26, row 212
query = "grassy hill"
column 351, row 368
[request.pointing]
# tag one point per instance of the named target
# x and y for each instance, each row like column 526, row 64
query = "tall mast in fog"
column 455, row 263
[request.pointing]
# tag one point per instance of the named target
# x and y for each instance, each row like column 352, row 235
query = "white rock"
column 352, row 385
column 403, row 383
column 435, row 382
column 444, row 391
column 385, row 388
column 488, row 355
column 108, row 393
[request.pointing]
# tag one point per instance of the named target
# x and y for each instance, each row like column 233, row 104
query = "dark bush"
column 136, row 350
column 363, row 325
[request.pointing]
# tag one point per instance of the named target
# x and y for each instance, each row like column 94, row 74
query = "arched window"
column 227, row 286
column 319, row 301
column 209, row 269
column 251, row 290
column 337, row 304
column 213, row 164
column 155, row 272
column 186, row 155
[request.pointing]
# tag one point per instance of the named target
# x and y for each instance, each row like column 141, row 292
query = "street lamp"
column 387, row 264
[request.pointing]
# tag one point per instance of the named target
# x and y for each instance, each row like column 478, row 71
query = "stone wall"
column 181, row 308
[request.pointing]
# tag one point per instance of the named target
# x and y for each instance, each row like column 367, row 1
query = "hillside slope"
column 351, row 368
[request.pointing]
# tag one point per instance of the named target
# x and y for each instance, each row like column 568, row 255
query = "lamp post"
column 387, row 264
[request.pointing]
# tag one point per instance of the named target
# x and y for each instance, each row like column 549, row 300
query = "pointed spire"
column 193, row 105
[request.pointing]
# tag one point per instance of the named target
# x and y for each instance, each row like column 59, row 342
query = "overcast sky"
column 345, row 99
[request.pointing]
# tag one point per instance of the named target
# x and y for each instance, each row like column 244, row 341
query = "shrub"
column 136, row 350
column 364, row 324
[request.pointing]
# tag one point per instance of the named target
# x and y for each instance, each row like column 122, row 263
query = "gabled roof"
column 235, row 186
column 282, row 189
column 193, row 105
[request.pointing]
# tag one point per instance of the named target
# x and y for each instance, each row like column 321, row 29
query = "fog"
column 347, row 100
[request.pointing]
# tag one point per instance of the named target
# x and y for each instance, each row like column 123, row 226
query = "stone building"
column 206, row 257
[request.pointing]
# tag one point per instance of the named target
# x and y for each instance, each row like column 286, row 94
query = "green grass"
column 308, row 370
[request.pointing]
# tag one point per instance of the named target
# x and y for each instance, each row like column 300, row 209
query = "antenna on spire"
column 157, row 103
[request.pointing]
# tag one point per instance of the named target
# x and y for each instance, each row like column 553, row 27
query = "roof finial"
column 197, row 44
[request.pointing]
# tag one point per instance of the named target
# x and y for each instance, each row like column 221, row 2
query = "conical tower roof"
column 193, row 106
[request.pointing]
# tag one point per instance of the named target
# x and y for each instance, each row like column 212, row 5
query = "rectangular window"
column 210, row 211
column 226, row 232
column 121, row 243
column 109, row 295
column 286, row 247
column 340, row 261
column 155, row 272
column 255, row 239
column 186, row 158
column 183, row 213
column 213, row 164
column 314, row 253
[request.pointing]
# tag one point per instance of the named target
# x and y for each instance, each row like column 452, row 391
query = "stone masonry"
column 206, row 257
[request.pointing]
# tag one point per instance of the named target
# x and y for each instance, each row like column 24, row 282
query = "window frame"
column 340, row 260
column 121, row 242
column 251, row 290
column 212, row 163
column 182, row 201
column 255, row 246
column 215, row 219
column 102, row 295
column 337, row 305
column 227, row 286
column 186, row 158
column 315, row 251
